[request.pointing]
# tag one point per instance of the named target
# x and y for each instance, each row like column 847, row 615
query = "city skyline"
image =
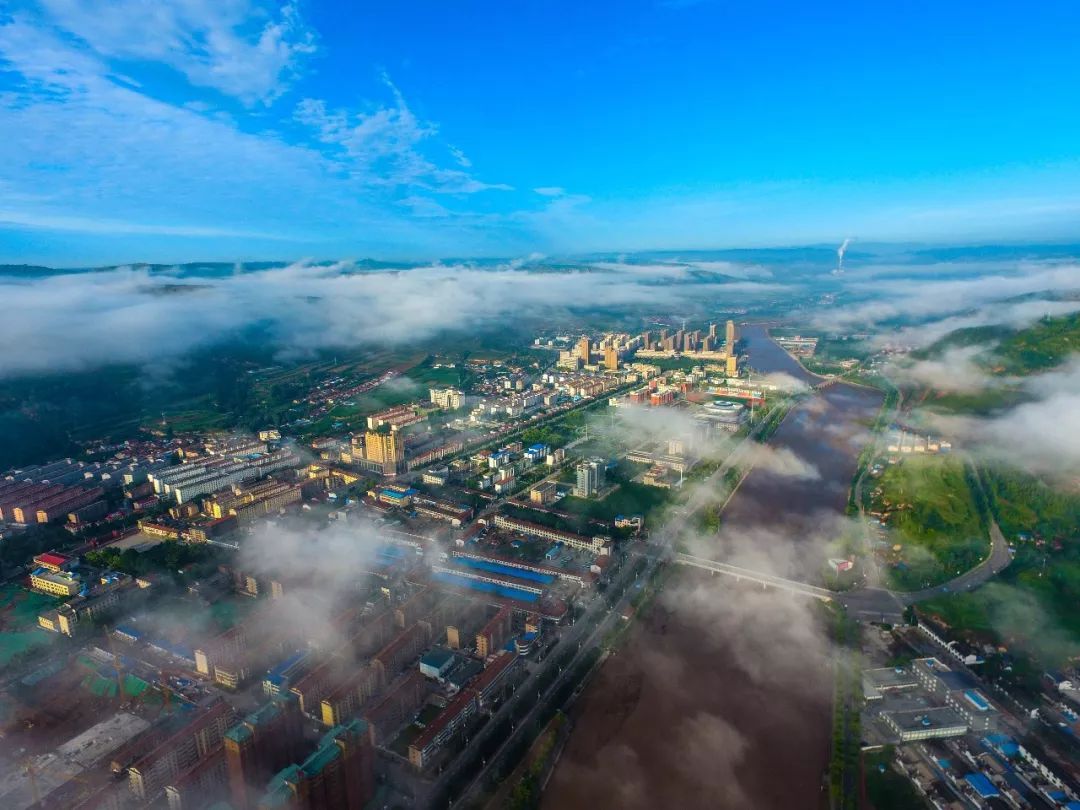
column 251, row 130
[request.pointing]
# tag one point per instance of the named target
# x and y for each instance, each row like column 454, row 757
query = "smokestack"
column 840, row 256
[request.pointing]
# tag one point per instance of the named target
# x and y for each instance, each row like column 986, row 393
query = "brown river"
column 721, row 697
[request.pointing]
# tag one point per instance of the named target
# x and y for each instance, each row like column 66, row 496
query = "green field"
column 628, row 499
column 887, row 789
column 19, row 631
column 935, row 517
column 1033, row 602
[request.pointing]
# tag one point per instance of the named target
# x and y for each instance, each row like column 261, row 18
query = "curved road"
column 882, row 602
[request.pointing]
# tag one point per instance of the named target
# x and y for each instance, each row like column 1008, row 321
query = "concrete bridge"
column 767, row 580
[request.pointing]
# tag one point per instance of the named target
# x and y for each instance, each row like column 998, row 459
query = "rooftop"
column 438, row 657
column 916, row 719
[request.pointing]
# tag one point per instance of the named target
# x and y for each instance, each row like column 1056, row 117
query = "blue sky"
column 172, row 130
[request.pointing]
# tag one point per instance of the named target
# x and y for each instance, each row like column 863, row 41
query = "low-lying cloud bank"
column 74, row 321
column 1041, row 434
column 941, row 298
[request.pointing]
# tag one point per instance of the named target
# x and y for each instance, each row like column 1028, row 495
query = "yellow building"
column 611, row 357
column 386, row 448
column 56, row 584
column 583, row 349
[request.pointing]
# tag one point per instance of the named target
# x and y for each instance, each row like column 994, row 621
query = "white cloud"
column 1041, row 435
column 384, row 146
column 79, row 320
column 928, row 297
column 246, row 49
column 87, row 152
column 956, row 371
column 550, row 191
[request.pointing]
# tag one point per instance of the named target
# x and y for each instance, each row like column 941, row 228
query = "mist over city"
column 664, row 403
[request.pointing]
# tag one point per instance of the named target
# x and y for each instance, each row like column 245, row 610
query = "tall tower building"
column 611, row 357
column 590, row 477
column 339, row 775
column 730, row 336
column 583, row 349
column 712, row 331
column 732, row 366
column 260, row 745
column 646, row 340
column 385, row 447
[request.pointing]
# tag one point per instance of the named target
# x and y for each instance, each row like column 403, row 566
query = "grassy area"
column 1033, row 602
column 885, row 787
column 1039, row 347
column 628, row 499
column 847, row 706
column 932, row 508
column 19, row 631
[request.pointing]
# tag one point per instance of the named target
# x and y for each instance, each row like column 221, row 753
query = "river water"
column 721, row 697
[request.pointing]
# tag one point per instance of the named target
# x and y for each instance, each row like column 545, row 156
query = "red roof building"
column 52, row 561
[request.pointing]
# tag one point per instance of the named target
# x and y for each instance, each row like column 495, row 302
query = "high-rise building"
column 339, row 775
column 185, row 748
column 260, row 745
column 707, row 343
column 732, row 365
column 583, row 349
column 712, row 331
column 449, row 398
column 611, row 357
column 730, row 336
column 663, row 336
column 385, row 447
column 646, row 341
column 680, row 338
column 590, row 477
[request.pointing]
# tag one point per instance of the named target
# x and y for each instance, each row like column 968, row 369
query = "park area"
column 19, row 631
